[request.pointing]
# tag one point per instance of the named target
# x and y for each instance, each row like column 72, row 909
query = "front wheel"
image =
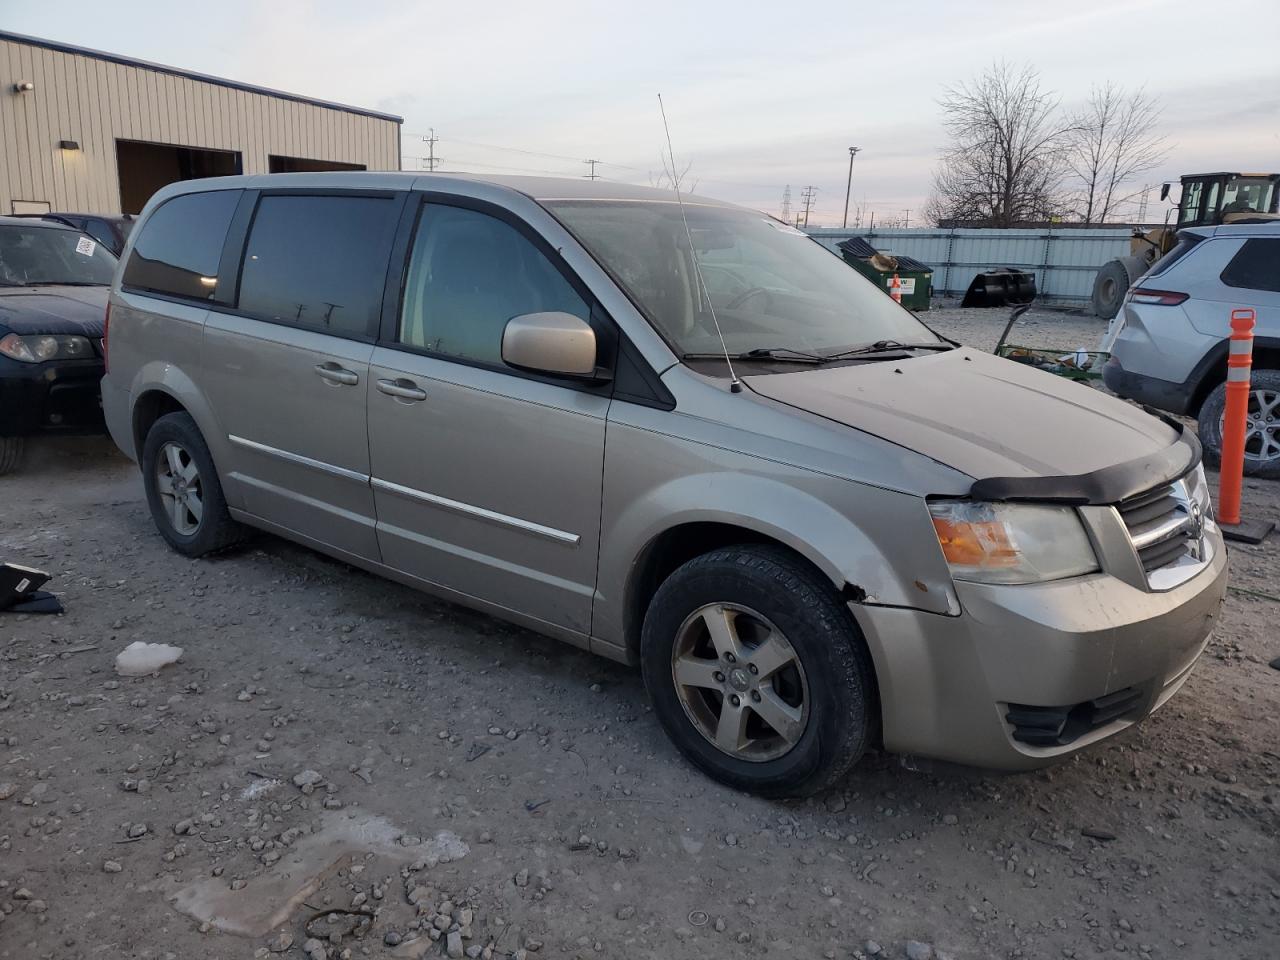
column 1262, row 426
column 758, row 673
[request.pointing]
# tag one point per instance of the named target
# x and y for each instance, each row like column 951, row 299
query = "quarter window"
column 468, row 275
column 1256, row 266
column 319, row 262
column 178, row 250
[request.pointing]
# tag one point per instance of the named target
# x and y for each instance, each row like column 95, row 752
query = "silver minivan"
column 678, row 434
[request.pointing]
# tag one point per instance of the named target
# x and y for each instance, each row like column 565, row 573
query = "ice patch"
column 259, row 788
column 139, row 659
column 269, row 899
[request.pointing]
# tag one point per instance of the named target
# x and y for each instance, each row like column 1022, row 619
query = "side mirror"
column 555, row 343
column 1164, row 191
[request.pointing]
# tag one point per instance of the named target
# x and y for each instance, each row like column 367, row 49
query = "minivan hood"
column 980, row 414
column 60, row 309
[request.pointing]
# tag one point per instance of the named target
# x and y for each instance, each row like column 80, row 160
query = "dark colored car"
column 53, row 300
column 110, row 231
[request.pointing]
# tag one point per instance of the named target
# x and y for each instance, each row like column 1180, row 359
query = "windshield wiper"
column 67, row 283
column 886, row 346
column 779, row 354
column 789, row 355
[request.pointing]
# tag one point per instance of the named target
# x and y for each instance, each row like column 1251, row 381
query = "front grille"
column 1160, row 525
column 1059, row 726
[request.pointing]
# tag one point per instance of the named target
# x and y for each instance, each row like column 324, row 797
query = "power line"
column 786, row 204
column 592, row 175
column 603, row 163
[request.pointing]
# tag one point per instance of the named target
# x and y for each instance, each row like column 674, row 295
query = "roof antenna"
column 735, row 385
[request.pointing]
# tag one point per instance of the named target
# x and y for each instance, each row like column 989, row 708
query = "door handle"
column 402, row 389
column 336, row 374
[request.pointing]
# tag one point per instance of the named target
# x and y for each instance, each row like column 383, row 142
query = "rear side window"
column 178, row 248
column 319, row 262
column 1186, row 243
column 1256, row 266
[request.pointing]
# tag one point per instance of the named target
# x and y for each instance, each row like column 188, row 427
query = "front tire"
column 10, row 453
column 183, row 491
column 1262, row 437
column 758, row 673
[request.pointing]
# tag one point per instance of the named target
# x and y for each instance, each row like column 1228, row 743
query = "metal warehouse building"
column 85, row 131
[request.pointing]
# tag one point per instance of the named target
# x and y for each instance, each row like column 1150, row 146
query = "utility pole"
column 431, row 141
column 853, row 152
column 808, row 196
column 786, row 204
column 592, row 175
column 906, row 220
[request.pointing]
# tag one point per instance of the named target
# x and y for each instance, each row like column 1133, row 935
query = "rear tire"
column 183, row 490
column 11, row 453
column 1112, row 282
column 1262, row 442
column 807, row 706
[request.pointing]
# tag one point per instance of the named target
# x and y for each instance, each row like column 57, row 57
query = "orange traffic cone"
column 895, row 289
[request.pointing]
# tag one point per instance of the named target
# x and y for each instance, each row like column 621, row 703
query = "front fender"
column 879, row 542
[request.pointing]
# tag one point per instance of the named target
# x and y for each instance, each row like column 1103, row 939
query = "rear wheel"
column 1262, row 431
column 757, row 671
column 1112, row 282
column 10, row 453
column 183, row 491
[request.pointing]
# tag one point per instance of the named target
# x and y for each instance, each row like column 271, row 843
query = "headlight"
column 37, row 349
column 1011, row 543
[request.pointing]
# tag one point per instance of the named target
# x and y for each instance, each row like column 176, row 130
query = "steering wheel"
column 746, row 295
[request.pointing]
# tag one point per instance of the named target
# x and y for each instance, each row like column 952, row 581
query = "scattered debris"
column 139, row 659
column 1097, row 833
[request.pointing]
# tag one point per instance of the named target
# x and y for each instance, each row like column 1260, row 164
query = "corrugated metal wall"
column 1064, row 260
column 95, row 101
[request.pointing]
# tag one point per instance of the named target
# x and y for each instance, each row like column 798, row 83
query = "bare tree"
column 1113, row 142
column 1006, row 160
column 671, row 180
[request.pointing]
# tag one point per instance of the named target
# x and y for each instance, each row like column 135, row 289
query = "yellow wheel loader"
column 1208, row 199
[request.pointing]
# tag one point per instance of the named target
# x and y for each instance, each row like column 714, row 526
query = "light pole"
column 853, row 152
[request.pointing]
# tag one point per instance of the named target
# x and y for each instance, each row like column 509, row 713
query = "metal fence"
column 1063, row 260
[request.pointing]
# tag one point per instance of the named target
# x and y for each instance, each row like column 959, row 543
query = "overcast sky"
column 759, row 94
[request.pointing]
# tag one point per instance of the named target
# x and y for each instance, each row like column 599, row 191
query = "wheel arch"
column 161, row 388
column 1212, row 368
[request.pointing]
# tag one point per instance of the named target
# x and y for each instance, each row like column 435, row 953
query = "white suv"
column 1171, row 350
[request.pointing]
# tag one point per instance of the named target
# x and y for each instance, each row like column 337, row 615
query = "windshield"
column 1248, row 195
column 37, row 256
column 771, row 286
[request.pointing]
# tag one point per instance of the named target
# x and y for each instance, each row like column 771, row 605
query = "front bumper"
column 947, row 683
column 51, row 397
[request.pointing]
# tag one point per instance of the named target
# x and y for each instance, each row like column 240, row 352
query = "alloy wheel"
column 740, row 681
column 180, row 489
column 1262, row 426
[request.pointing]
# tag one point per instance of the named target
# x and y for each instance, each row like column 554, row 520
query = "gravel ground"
column 455, row 786
column 1068, row 327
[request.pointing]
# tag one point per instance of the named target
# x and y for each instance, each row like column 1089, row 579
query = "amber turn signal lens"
column 975, row 543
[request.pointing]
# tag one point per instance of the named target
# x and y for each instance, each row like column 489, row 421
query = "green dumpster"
column 915, row 277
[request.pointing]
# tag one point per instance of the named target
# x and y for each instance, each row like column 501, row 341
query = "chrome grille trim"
column 1166, row 527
